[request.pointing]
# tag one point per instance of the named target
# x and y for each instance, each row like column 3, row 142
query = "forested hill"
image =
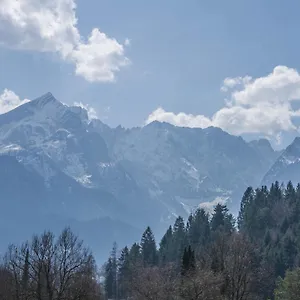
column 215, row 256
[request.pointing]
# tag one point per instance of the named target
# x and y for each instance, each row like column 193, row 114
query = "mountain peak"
column 294, row 147
column 262, row 143
column 44, row 100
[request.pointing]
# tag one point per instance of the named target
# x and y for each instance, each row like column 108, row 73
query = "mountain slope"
column 286, row 167
column 58, row 168
column 184, row 167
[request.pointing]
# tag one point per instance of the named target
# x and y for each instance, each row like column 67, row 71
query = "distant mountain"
column 265, row 151
column 185, row 167
column 286, row 167
column 58, row 168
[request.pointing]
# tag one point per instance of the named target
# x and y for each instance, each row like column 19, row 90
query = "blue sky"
column 179, row 55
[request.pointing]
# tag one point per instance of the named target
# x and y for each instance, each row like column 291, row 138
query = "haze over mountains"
column 58, row 167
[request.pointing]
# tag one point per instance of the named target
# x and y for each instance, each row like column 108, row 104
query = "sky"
column 231, row 64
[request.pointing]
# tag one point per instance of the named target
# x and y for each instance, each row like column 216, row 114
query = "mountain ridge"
column 141, row 176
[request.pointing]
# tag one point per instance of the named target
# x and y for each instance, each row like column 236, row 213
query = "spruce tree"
column 148, row 248
column 179, row 240
column 198, row 229
column 111, row 274
column 135, row 257
column 221, row 219
column 109, row 279
column 188, row 264
column 247, row 201
column 123, row 273
column 165, row 247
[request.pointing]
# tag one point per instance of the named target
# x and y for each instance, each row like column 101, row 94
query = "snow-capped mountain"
column 59, row 167
column 188, row 167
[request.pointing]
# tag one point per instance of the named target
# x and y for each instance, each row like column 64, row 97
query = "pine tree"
column 123, row 273
column 247, row 201
column 165, row 247
column 109, row 279
column 199, row 229
column 111, row 274
column 276, row 192
column 221, row 219
column 290, row 194
column 179, row 240
column 188, row 265
column 148, row 248
column 135, row 257
column 289, row 252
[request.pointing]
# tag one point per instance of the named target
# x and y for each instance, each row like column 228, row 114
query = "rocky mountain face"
column 286, row 167
column 188, row 167
column 58, row 168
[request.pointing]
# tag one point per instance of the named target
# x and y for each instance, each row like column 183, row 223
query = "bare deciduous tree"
column 240, row 269
column 52, row 269
column 201, row 285
column 153, row 283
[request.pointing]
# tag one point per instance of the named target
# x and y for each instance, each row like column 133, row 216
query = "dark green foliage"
column 289, row 287
column 135, row 257
column 188, row 261
column 198, row 229
column 179, row 240
column 110, row 283
column 222, row 220
column 247, row 261
column 148, row 248
column 166, row 247
column 245, row 212
column 123, row 273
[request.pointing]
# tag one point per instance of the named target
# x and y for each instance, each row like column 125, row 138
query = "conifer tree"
column 199, row 229
column 135, row 257
column 111, row 274
column 244, row 214
column 221, row 219
column 148, row 248
column 123, row 273
column 179, row 240
column 188, row 265
column 165, row 247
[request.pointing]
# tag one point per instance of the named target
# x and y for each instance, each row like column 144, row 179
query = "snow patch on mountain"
column 7, row 149
column 289, row 160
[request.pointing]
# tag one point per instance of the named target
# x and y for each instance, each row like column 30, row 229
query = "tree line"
column 208, row 256
column 256, row 256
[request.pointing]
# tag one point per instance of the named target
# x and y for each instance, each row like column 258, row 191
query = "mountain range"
column 60, row 168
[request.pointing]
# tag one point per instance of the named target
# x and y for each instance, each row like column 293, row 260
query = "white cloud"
column 181, row 119
column 230, row 82
column 127, row 42
column 9, row 100
column 51, row 26
column 92, row 113
column 256, row 105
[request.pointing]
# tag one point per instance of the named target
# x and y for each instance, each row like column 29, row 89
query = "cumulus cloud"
column 9, row 100
column 180, row 119
column 256, row 105
column 51, row 26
